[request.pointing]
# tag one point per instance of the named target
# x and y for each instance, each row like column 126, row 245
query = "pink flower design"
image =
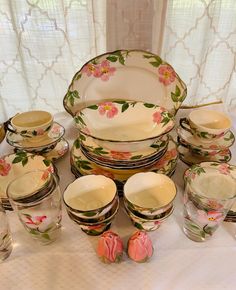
column 37, row 220
column 40, row 132
column 40, row 223
column 4, row 167
column 106, row 70
column 166, row 74
column 140, row 247
column 96, row 227
column 214, row 204
column 213, row 147
column 55, row 130
column 224, row 152
column 45, row 175
column 211, row 218
column 110, row 247
column 101, row 171
column 89, row 69
column 120, row 155
column 224, row 168
column 157, row 117
column 108, row 109
column 212, row 153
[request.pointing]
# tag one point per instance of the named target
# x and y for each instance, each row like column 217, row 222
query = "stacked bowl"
column 120, row 138
column 36, row 132
column 92, row 203
column 205, row 136
column 151, row 202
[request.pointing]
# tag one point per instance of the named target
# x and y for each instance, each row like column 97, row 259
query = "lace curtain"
column 44, row 42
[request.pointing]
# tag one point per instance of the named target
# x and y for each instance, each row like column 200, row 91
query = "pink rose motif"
column 4, row 167
column 211, row 218
column 224, row 168
column 166, row 74
column 105, row 70
column 40, row 132
column 212, row 153
column 96, row 227
column 160, row 163
column 89, row 69
column 41, row 223
column 140, row 247
column 157, row 117
column 110, row 247
column 55, row 130
column 213, row 147
column 120, row 155
column 45, row 175
column 101, row 171
column 108, row 109
column 224, row 152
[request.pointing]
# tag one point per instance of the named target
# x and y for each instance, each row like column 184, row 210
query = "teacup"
column 32, row 124
column 207, row 125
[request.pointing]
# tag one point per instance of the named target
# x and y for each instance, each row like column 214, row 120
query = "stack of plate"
column 53, row 146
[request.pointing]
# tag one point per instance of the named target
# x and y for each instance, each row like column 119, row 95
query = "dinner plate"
column 126, row 74
column 166, row 165
column 40, row 146
column 226, row 141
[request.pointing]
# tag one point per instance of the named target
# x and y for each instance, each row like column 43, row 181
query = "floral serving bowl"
column 95, row 227
column 149, row 193
column 146, row 77
column 147, row 224
column 90, row 197
column 115, row 126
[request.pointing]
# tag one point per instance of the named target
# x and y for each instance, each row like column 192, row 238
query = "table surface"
column 71, row 261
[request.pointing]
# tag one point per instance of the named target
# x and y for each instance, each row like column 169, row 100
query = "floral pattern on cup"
column 96, row 229
column 4, row 167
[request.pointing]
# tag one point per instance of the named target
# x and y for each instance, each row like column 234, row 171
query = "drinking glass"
column 5, row 236
column 36, row 198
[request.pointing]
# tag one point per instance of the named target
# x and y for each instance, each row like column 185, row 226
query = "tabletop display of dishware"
column 82, row 166
column 31, row 125
column 36, row 198
column 14, row 165
column 207, row 125
column 102, row 154
column 153, row 196
column 126, row 74
column 114, row 125
column 210, row 192
column 5, row 236
column 44, row 145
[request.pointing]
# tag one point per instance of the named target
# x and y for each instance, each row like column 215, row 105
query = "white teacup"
column 33, row 124
column 207, row 125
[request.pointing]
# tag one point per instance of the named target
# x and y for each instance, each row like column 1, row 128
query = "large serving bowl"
column 90, row 197
column 126, row 74
column 149, row 193
column 124, row 126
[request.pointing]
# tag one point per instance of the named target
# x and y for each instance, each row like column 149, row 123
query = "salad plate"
column 226, row 141
column 189, row 158
column 40, row 146
column 126, row 74
column 82, row 166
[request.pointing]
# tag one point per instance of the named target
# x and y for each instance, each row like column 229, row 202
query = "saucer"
column 42, row 146
column 188, row 158
column 166, row 165
column 58, row 152
column 223, row 142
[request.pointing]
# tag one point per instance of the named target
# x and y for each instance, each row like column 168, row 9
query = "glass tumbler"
column 36, row 198
column 5, row 236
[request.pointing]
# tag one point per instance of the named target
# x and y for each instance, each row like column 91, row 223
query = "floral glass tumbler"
column 5, row 236
column 36, row 198
column 209, row 194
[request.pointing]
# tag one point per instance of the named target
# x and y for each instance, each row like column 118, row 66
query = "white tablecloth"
column 71, row 261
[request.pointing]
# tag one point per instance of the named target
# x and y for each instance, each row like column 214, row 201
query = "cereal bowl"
column 90, row 196
column 149, row 193
column 115, row 126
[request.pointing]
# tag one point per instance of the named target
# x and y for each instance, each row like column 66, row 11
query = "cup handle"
column 183, row 122
column 181, row 144
column 8, row 127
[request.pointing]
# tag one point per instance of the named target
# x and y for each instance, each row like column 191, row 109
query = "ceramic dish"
column 2, row 132
column 43, row 146
column 115, row 126
column 103, row 154
column 189, row 158
column 126, row 74
column 154, row 194
column 129, row 165
column 14, row 165
column 221, row 143
column 223, row 168
column 83, row 166
column 62, row 147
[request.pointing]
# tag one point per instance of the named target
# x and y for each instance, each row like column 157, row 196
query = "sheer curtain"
column 44, row 42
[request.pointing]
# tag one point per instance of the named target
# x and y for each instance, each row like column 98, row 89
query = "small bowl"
column 98, row 227
column 149, row 193
column 147, row 224
column 90, row 196
column 115, row 126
